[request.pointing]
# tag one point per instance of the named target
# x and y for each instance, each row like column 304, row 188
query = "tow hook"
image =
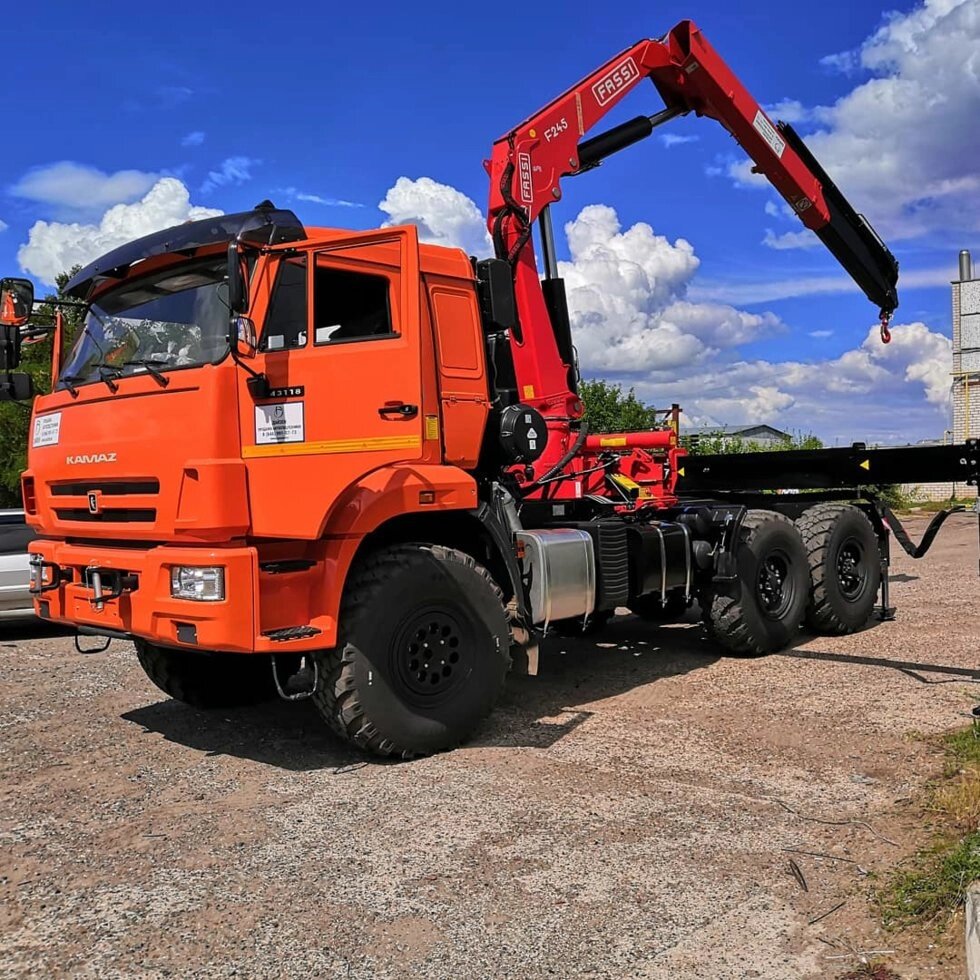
column 108, row 584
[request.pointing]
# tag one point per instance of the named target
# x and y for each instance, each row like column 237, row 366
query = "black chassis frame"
column 849, row 475
column 722, row 488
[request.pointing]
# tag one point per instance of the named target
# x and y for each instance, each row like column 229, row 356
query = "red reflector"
column 27, row 492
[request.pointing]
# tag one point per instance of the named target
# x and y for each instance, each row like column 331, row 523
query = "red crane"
column 529, row 162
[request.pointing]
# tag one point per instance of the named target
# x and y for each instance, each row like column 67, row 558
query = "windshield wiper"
column 107, row 374
column 68, row 381
column 152, row 368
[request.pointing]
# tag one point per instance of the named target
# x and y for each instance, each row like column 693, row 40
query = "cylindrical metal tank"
column 966, row 266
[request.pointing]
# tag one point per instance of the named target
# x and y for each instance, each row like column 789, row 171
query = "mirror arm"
column 258, row 383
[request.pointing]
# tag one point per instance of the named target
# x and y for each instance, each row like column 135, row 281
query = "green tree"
column 713, row 445
column 15, row 417
column 609, row 409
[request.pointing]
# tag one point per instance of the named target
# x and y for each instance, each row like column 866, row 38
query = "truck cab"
column 198, row 494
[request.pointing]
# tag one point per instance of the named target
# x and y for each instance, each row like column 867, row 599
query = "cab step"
column 286, row 633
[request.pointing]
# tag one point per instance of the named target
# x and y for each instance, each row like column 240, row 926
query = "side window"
column 286, row 321
column 350, row 306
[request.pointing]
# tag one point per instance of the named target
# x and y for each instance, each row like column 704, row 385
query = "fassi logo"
column 615, row 80
column 95, row 458
column 527, row 189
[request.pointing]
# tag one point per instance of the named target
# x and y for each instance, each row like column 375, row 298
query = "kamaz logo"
column 95, row 458
column 527, row 191
column 613, row 82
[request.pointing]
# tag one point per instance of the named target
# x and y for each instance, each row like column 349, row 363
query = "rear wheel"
column 761, row 611
column 845, row 567
column 207, row 680
column 422, row 653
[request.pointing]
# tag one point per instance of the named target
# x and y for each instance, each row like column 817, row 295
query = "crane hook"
column 886, row 334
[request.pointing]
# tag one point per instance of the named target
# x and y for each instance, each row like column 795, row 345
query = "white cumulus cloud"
column 196, row 138
column 82, row 188
column 903, row 144
column 53, row 247
column 627, row 298
column 443, row 214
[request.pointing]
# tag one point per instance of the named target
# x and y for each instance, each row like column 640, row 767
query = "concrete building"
column 758, row 433
column 965, row 376
column 966, row 352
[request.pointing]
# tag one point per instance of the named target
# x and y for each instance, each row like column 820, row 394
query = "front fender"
column 389, row 492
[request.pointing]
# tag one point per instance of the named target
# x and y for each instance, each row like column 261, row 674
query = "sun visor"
column 265, row 225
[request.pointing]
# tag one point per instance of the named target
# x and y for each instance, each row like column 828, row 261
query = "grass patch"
column 935, row 885
column 931, row 886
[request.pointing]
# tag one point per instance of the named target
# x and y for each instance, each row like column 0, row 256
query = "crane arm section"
column 529, row 162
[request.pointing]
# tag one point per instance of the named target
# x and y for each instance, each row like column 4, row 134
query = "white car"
column 16, row 601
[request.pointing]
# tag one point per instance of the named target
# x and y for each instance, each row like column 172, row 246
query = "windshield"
column 176, row 318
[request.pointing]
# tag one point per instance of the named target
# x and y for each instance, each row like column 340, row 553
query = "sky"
column 687, row 277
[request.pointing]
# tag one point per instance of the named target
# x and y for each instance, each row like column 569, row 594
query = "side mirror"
column 16, row 387
column 237, row 287
column 243, row 333
column 16, row 301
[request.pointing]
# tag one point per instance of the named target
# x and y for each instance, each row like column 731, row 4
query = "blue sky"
column 217, row 107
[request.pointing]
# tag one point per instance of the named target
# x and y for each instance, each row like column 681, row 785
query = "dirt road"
column 625, row 814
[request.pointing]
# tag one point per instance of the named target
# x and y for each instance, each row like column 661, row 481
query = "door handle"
column 394, row 411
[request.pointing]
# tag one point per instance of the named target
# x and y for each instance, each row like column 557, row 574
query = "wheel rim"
column 431, row 654
column 852, row 569
column 775, row 586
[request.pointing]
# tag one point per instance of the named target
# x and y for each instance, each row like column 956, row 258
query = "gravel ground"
column 625, row 814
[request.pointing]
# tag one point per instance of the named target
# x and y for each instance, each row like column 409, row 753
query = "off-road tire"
column 736, row 612
column 572, row 628
column 375, row 692
column 208, row 680
column 845, row 567
column 653, row 610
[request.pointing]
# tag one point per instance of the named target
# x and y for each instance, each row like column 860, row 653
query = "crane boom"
column 529, row 162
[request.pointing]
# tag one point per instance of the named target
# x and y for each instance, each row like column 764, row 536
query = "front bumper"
column 145, row 607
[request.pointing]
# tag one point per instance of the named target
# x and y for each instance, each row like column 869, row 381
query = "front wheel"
column 422, row 652
column 761, row 611
column 208, row 680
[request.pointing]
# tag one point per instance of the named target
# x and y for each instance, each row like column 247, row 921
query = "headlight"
column 202, row 584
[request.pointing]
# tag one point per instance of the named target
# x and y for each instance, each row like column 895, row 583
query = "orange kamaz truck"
column 344, row 465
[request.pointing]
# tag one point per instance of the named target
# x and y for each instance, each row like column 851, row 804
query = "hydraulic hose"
column 567, row 458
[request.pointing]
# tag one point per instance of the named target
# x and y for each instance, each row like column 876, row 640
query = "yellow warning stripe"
column 334, row 446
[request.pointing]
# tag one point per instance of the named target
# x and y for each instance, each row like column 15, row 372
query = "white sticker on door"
column 47, row 430
column 281, row 422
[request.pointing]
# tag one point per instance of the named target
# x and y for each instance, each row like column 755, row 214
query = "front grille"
column 108, row 488
column 131, row 515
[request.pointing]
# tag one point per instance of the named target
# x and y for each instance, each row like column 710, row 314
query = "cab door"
column 340, row 345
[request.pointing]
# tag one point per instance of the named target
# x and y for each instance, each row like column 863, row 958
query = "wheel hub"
column 851, row 571
column 773, row 585
column 429, row 653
